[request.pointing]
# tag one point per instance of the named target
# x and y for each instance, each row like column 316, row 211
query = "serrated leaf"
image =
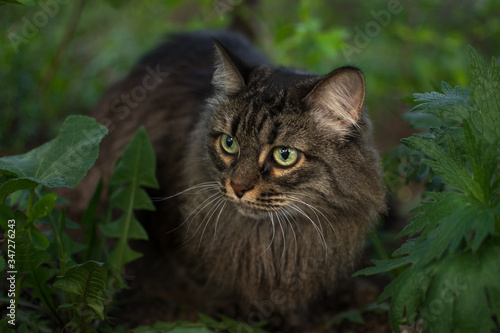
column 482, row 160
column 122, row 254
column 114, row 229
column 452, row 281
column 27, row 255
column 137, row 164
column 460, row 292
column 382, row 266
column 38, row 281
column 30, row 260
column 87, row 282
column 450, row 107
column 436, row 209
column 134, row 169
column 124, row 196
column 485, row 83
column 446, row 166
column 63, row 161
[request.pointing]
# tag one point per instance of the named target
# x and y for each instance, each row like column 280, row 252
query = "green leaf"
column 123, row 196
column 485, row 83
column 39, row 240
column 6, row 214
column 451, row 279
column 122, row 254
column 114, row 229
column 65, row 160
column 135, row 163
column 94, row 244
column 450, row 107
column 12, row 185
column 135, row 168
column 87, row 282
column 30, row 261
column 445, row 165
column 42, row 207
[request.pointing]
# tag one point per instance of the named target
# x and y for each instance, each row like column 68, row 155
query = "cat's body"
column 289, row 182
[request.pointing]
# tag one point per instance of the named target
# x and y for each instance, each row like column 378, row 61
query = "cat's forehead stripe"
column 234, row 124
column 273, row 134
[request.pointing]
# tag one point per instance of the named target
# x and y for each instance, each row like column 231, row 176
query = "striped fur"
column 295, row 230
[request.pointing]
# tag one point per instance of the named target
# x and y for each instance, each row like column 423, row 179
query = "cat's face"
column 273, row 143
column 263, row 154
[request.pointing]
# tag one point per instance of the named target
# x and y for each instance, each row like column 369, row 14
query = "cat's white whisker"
column 283, row 234
column 318, row 230
column 211, row 184
column 217, row 222
column 314, row 209
column 217, row 201
column 283, row 213
column 290, row 215
column 189, row 217
column 199, row 210
column 213, row 210
column 272, row 239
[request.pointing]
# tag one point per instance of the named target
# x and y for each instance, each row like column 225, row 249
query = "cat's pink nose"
column 240, row 189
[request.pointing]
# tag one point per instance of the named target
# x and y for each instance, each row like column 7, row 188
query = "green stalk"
column 129, row 215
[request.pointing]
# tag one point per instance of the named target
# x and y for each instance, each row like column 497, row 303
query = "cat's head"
column 281, row 139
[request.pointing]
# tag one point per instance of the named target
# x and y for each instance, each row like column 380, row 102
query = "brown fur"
column 296, row 230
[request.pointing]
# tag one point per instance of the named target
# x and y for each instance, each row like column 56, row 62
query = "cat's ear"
column 337, row 100
column 229, row 70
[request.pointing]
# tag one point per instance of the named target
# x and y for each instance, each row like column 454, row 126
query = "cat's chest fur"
column 278, row 181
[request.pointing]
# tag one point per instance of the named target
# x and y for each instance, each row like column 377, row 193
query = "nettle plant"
column 450, row 265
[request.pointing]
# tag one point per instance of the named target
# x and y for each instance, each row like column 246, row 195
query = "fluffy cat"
column 272, row 178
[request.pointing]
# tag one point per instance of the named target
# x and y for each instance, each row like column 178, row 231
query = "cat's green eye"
column 229, row 144
column 285, row 156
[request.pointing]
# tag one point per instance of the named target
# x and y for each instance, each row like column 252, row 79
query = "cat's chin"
column 252, row 212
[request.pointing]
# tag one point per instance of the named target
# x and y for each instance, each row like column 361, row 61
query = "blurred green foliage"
column 47, row 72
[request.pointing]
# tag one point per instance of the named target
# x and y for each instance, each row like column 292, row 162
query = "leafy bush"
column 451, row 280
column 51, row 290
column 33, row 259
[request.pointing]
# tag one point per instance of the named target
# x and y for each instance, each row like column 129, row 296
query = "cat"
column 269, row 172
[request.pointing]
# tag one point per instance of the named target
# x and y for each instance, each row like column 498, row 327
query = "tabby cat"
column 271, row 179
